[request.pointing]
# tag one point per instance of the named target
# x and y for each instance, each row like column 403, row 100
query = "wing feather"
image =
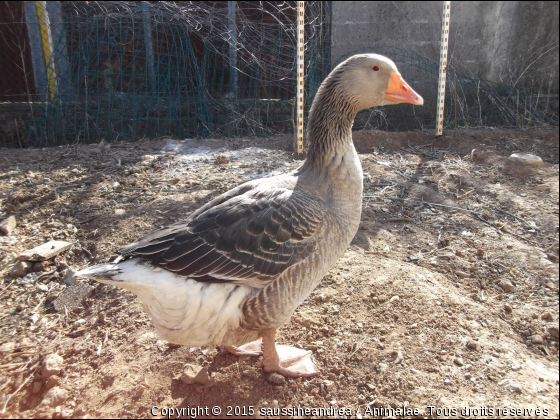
column 247, row 236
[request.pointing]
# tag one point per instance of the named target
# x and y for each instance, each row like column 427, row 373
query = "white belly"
column 183, row 311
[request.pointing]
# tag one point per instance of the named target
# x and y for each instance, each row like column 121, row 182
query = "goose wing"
column 246, row 236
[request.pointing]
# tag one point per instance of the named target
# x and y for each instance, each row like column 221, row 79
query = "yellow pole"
column 443, row 67
column 46, row 37
column 300, row 74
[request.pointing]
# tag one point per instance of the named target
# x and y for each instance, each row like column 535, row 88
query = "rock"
column 72, row 297
column 39, row 266
column 276, row 379
column 190, row 373
column 473, row 345
column 553, row 331
column 37, row 387
column 52, row 365
column 7, row 347
column 507, row 286
column 527, row 158
column 535, row 339
column 21, row 269
column 508, row 308
column 461, row 274
column 221, row 160
column 8, row 225
column 45, row 251
column 458, row 361
column 70, row 277
column 54, row 397
column 52, row 382
column 547, row 316
column 137, row 392
column 515, row 387
column 204, row 378
column 65, row 414
column 394, row 299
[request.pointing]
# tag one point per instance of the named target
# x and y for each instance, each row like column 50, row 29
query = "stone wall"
column 515, row 42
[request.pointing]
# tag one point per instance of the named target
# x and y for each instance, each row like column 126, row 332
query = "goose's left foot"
column 285, row 360
column 250, row 349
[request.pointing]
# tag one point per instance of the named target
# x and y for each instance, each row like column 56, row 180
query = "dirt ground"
column 446, row 301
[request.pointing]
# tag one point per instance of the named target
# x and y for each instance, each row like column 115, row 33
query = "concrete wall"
column 492, row 40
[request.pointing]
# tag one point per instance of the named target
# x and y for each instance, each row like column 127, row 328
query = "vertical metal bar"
column 46, row 37
column 232, row 28
column 146, row 20
column 300, row 74
column 443, row 66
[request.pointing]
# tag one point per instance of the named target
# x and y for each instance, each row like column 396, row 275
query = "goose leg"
column 286, row 360
column 250, row 349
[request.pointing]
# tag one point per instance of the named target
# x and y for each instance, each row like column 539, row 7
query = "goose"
column 233, row 272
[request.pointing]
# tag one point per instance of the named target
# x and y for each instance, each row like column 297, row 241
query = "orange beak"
column 399, row 91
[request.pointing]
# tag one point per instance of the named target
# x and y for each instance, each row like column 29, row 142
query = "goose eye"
column 376, row 68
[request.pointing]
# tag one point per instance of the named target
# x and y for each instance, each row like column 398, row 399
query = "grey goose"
column 233, row 272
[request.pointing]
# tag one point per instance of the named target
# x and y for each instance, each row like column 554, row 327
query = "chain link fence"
column 87, row 71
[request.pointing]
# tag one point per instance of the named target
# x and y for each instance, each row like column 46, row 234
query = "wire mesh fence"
column 129, row 70
column 469, row 102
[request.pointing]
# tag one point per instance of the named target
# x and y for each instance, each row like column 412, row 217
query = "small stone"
column 458, row 361
column 66, row 414
column 189, row 373
column 39, row 266
column 204, row 378
column 473, row 345
column 21, row 269
column 8, row 225
column 276, row 379
column 394, row 299
column 462, row 274
column 137, row 392
column 553, row 331
column 547, row 316
column 507, row 286
column 535, row 339
column 515, row 387
column 43, row 287
column 37, row 387
column 7, row 347
column 55, row 397
column 52, row 365
column 44, row 252
column 221, row 160
column 120, row 212
column 52, row 382
column 508, row 308
column 527, row 158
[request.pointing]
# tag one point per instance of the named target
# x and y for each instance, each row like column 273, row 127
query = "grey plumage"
column 265, row 245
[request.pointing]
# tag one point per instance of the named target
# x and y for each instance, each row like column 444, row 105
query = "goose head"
column 369, row 80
